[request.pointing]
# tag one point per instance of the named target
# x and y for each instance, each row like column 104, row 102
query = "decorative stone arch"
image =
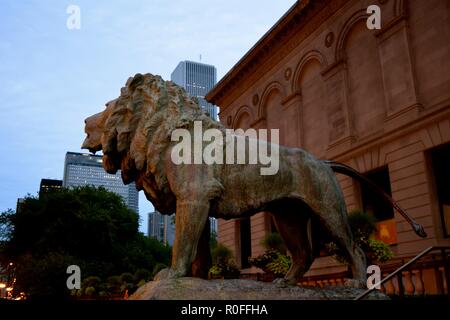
column 310, row 55
column 243, row 110
column 369, row 159
column 270, row 88
column 342, row 36
column 435, row 134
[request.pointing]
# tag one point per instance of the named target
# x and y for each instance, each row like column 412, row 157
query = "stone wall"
column 368, row 98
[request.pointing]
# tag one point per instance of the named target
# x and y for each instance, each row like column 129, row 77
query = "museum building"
column 375, row 99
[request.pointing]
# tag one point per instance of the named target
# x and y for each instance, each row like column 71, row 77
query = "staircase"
column 408, row 279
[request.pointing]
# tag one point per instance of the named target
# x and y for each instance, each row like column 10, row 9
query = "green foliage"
column 272, row 261
column 213, row 241
column 142, row 274
column 141, row 283
column 126, row 277
column 86, row 226
column 379, row 251
column 273, row 241
column 89, row 291
column 113, row 280
column 44, row 277
column 264, row 259
column 363, row 226
column 215, row 270
column 92, row 282
column 228, row 270
column 6, row 225
column 223, row 265
column 221, row 254
column 112, row 285
column 280, row 266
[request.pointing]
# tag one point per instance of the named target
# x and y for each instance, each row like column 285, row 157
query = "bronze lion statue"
column 134, row 133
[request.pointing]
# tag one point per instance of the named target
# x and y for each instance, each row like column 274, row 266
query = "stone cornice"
column 298, row 23
column 263, row 48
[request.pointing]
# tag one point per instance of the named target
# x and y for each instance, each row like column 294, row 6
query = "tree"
column 86, row 226
column 213, row 241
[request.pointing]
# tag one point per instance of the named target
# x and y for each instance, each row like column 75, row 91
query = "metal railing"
column 398, row 272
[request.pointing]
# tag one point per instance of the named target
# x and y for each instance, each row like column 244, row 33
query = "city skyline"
column 197, row 79
column 53, row 78
column 161, row 227
column 81, row 169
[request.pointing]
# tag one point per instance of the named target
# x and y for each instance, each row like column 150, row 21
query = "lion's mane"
column 139, row 125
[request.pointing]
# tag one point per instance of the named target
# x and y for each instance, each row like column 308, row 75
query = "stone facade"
column 368, row 98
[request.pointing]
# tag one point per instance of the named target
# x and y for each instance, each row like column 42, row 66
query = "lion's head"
column 95, row 125
column 135, row 129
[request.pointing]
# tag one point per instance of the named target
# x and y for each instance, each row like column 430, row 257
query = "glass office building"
column 197, row 79
column 82, row 169
column 161, row 227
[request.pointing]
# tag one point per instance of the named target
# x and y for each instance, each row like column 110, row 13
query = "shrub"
column 272, row 262
column 273, row 241
column 228, row 270
column 280, row 266
column 363, row 226
column 126, row 277
column 264, row 259
column 379, row 251
column 141, row 283
column 221, row 254
column 91, row 282
column 223, row 265
column 89, row 291
column 142, row 274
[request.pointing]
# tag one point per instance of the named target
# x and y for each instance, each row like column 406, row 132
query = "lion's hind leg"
column 335, row 223
column 293, row 229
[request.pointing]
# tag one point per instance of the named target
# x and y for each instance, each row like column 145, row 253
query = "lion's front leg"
column 190, row 219
column 203, row 261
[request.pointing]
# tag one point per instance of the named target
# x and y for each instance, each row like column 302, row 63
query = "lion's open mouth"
column 88, row 145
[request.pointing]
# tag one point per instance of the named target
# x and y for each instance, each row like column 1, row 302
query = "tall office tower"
column 49, row 185
column 82, row 169
column 161, row 227
column 213, row 225
column 197, row 79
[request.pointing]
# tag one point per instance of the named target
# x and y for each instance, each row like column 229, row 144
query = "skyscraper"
column 213, row 225
column 197, row 79
column 49, row 185
column 82, row 169
column 161, row 227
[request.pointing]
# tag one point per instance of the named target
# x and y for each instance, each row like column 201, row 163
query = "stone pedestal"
column 235, row 289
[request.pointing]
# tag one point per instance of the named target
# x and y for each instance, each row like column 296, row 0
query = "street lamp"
column 2, row 285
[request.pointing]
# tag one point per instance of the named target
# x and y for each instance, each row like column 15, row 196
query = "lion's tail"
column 349, row 171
